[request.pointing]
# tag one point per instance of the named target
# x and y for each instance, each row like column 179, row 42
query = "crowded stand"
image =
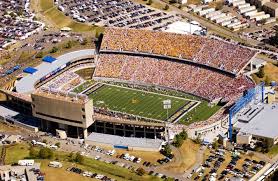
column 16, row 21
column 213, row 53
column 179, row 76
column 68, row 80
column 116, row 13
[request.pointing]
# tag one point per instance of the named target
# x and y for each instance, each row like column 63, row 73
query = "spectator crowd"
column 197, row 49
column 188, row 78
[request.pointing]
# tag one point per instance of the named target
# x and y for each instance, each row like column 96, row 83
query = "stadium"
column 135, row 84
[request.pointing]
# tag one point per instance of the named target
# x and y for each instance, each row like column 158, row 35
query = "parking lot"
column 221, row 164
column 119, row 13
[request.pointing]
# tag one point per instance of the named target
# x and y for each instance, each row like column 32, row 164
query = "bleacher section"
column 202, row 82
column 196, row 49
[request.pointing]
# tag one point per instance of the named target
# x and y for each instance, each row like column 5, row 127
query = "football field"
column 135, row 102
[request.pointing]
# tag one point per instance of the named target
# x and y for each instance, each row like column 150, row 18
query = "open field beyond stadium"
column 135, row 102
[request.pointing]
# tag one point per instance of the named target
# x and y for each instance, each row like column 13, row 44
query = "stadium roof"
column 265, row 124
column 30, row 70
column 125, row 141
column 27, row 83
column 48, row 59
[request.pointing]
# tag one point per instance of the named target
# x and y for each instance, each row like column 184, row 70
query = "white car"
column 97, row 157
column 99, row 177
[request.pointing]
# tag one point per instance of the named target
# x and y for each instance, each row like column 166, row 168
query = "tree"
column 45, row 153
column 167, row 150
column 141, row 171
column 39, row 55
column 219, row 5
column 71, row 157
column 267, row 80
column 184, row 134
column 261, row 73
column 166, row 7
column 215, row 145
column 68, row 45
column 54, row 50
column 58, row 144
column 33, row 153
column 79, row 158
column 149, row 2
column 84, row 41
column 178, row 140
column 198, row 140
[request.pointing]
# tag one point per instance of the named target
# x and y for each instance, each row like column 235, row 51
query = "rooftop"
column 27, row 84
column 124, row 141
column 264, row 124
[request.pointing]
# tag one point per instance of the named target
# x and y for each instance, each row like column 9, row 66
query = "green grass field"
column 136, row 102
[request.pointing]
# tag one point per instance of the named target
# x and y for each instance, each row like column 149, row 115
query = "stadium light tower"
column 167, row 104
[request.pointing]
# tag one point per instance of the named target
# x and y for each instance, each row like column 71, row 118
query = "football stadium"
column 135, row 84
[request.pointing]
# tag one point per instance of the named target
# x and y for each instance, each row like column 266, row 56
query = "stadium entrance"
column 128, row 130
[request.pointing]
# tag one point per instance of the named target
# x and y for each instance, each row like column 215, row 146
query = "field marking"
column 156, row 114
column 164, row 95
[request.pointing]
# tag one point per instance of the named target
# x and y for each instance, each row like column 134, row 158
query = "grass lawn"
column 144, row 155
column 21, row 151
column 273, row 151
column 60, row 20
column 188, row 152
column 16, row 152
column 53, row 174
column 135, row 102
column 200, row 113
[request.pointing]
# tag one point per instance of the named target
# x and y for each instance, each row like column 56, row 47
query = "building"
column 259, row 122
column 71, row 112
column 271, row 8
column 8, row 172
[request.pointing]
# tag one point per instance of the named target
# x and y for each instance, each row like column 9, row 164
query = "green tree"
column 68, row 44
column 167, row 150
column 261, row 73
column 198, row 140
column 54, row 50
column 178, row 140
column 184, row 134
column 71, row 157
column 166, row 7
column 79, row 158
column 149, row 2
column 39, row 55
column 215, row 145
column 141, row 171
column 267, row 80
column 45, row 153
column 58, row 144
column 33, row 153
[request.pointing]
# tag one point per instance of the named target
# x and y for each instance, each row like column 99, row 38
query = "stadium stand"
column 201, row 50
column 179, row 76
